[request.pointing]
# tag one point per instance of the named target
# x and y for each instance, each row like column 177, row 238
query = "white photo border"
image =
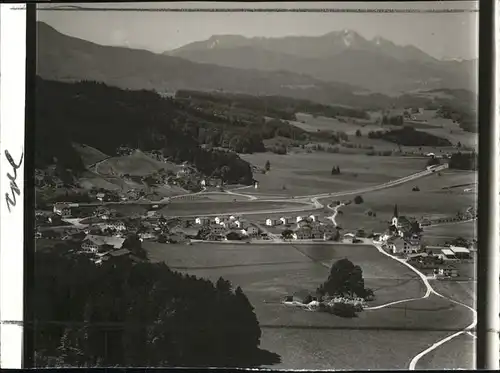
column 12, row 138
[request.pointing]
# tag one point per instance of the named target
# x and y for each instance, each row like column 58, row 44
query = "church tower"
column 395, row 216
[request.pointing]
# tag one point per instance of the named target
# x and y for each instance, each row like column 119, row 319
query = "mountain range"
column 344, row 56
column 65, row 58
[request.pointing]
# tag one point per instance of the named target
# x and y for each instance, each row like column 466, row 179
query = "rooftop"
column 116, row 242
column 448, row 252
column 457, row 249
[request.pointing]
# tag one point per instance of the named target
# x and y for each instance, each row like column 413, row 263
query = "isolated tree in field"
column 344, row 279
column 267, row 166
column 358, row 133
column 358, row 200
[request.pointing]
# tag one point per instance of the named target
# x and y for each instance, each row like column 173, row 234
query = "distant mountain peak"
column 379, row 40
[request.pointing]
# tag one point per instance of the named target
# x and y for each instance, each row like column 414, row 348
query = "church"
column 403, row 239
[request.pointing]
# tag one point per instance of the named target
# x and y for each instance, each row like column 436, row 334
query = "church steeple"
column 395, row 217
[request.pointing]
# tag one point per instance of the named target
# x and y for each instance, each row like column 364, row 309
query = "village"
column 100, row 232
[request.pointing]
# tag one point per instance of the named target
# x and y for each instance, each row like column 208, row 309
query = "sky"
column 442, row 35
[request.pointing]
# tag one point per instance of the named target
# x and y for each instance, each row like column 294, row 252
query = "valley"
column 309, row 201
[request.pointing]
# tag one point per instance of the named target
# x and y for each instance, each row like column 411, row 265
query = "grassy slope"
column 137, row 163
column 304, row 174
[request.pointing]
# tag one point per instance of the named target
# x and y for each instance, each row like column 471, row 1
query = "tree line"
column 461, row 114
column 464, row 161
column 272, row 106
column 408, row 136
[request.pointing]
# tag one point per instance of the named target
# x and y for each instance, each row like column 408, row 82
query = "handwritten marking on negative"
column 14, row 189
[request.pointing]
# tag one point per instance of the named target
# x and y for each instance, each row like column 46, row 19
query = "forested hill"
column 106, row 117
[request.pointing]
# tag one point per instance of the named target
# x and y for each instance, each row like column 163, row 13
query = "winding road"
column 311, row 202
column 429, row 290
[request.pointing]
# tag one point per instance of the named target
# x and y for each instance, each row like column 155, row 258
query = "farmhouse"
column 447, row 271
column 447, row 254
column 252, row 231
column 100, row 196
column 425, row 223
column 234, row 224
column 62, row 209
column 202, row 220
column 461, row 252
column 95, row 244
column 303, row 233
column 299, row 218
column 309, row 232
column 218, row 229
column 147, row 236
column 271, row 222
column 118, row 225
column 187, row 232
column 221, row 219
column 434, row 250
column 286, row 220
column 406, row 245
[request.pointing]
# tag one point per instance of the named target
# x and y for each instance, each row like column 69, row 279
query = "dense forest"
column 466, row 118
column 271, row 106
column 138, row 315
column 408, row 136
column 106, row 118
column 464, row 161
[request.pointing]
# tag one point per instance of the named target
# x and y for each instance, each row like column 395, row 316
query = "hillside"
column 341, row 56
column 106, row 118
column 137, row 164
column 88, row 154
column 65, row 58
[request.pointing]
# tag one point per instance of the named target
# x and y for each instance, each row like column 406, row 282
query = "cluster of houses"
column 220, row 227
column 288, row 220
column 304, row 227
column 47, row 178
column 404, row 240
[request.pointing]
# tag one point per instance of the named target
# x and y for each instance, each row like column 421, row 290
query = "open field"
column 441, row 233
column 349, row 350
column 461, row 291
column 303, row 174
column 313, row 340
column 213, row 197
column 430, row 201
column 188, row 208
column 459, row 353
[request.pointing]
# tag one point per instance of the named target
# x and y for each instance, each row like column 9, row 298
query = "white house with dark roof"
column 203, row 220
column 62, row 209
column 461, row 252
column 271, row 222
